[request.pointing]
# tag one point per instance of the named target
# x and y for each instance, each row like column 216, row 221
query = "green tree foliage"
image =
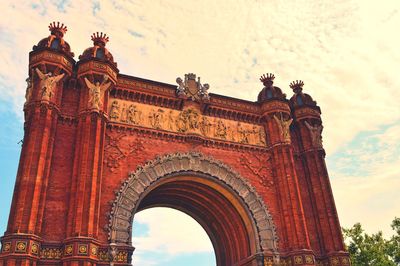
column 373, row 249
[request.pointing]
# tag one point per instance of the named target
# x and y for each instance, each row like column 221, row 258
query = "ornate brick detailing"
column 69, row 249
column 259, row 165
column 115, row 151
column 6, row 247
column 35, row 248
column 82, row 249
column 21, row 246
column 51, row 253
column 128, row 196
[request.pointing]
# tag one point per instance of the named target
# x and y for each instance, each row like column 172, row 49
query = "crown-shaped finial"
column 267, row 79
column 99, row 39
column 297, row 86
column 57, row 28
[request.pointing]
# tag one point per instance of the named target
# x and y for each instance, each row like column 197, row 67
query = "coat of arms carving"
column 191, row 88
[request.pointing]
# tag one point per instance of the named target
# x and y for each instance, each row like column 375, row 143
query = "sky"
column 346, row 52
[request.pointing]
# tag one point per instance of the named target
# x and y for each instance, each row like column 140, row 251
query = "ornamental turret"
column 99, row 50
column 55, row 41
column 275, row 110
column 308, row 117
column 50, row 65
column 270, row 92
column 96, row 72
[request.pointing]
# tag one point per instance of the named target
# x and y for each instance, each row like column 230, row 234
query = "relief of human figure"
column 48, row 83
column 156, row 118
column 284, row 128
column 28, row 93
column 171, row 121
column 243, row 134
column 315, row 132
column 133, row 115
column 96, row 92
column 261, row 135
column 114, row 111
column 205, row 126
column 220, row 130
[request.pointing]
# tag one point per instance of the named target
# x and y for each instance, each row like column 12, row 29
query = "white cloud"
column 366, row 181
column 170, row 232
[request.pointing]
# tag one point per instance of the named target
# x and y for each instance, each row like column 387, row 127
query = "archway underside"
column 230, row 231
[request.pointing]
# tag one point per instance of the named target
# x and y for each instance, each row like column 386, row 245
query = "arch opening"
column 166, row 236
column 220, row 200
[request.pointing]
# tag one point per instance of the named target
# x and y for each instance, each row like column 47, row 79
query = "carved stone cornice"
column 307, row 112
column 47, row 56
column 92, row 66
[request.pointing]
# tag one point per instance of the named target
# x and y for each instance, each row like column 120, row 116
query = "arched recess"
column 224, row 203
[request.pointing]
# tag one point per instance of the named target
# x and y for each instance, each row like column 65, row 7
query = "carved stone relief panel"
column 188, row 121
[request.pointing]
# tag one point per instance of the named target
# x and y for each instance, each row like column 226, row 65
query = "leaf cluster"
column 374, row 249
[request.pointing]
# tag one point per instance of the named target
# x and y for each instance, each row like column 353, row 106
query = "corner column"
column 48, row 71
column 95, row 80
column 295, row 245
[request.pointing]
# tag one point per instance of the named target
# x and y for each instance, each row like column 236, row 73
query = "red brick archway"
column 221, row 160
column 229, row 209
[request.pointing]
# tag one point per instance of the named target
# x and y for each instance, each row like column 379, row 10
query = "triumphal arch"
column 100, row 146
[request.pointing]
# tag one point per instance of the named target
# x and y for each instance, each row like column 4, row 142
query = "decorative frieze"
column 188, row 121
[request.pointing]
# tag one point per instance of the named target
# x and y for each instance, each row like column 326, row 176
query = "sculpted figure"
column 315, row 132
column 182, row 123
column 170, row 121
column 192, row 119
column 261, row 136
column 114, row 110
column 205, row 126
column 156, row 118
column 243, row 134
column 284, row 128
column 220, row 130
column 124, row 113
column 133, row 115
column 48, row 83
column 203, row 90
column 28, row 93
column 181, row 89
column 96, row 92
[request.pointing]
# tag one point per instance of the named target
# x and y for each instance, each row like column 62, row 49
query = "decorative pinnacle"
column 99, row 39
column 267, row 79
column 57, row 29
column 297, row 86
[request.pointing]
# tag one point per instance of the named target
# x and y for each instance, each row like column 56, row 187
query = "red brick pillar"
column 322, row 219
column 294, row 243
column 48, row 71
column 95, row 78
